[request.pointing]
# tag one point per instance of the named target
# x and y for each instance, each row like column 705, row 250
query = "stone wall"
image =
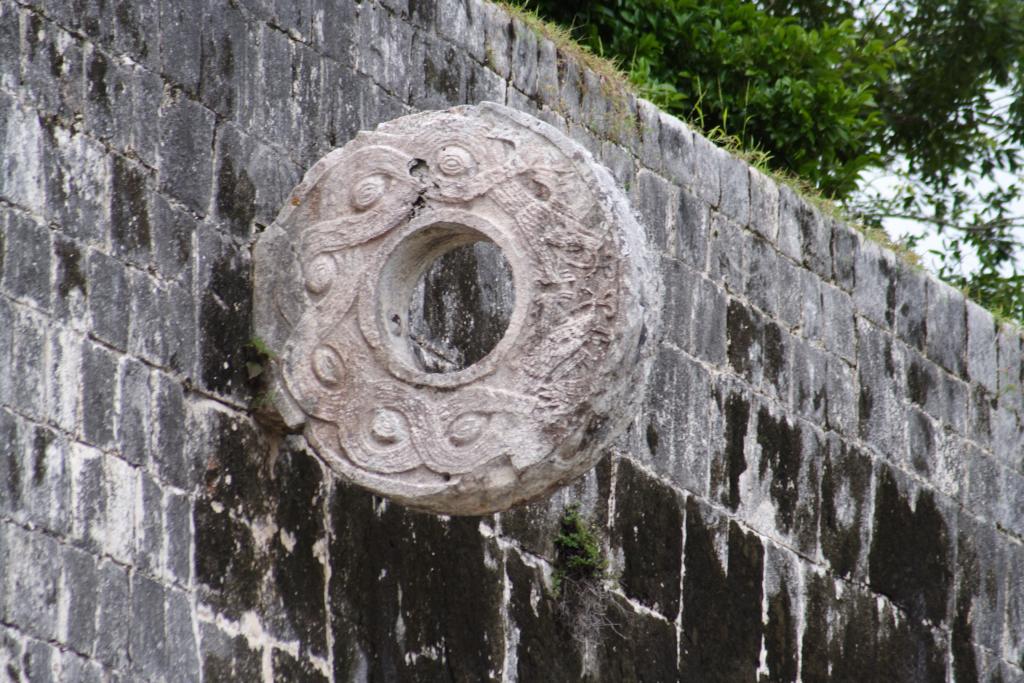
column 826, row 482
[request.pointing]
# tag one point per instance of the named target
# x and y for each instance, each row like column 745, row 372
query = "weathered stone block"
column 912, row 547
column 735, row 184
column 650, row 539
column 148, row 636
column 762, row 276
column 875, row 293
column 840, row 335
column 32, row 582
column 185, row 157
column 109, row 299
column 653, row 198
column 720, row 560
column 790, row 236
column 80, row 588
column 707, row 161
column 692, row 219
column 99, row 390
column 28, row 380
column 947, row 313
column 51, row 65
column 727, row 257
column 846, row 508
column 69, row 286
column 764, row 205
column 180, row 44
column 981, row 346
column 27, row 258
column 880, row 404
column 845, row 247
column 114, row 616
column 181, row 646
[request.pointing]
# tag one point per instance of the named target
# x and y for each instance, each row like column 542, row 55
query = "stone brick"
column 185, row 158
column 10, row 43
column 181, row 646
column 880, row 405
column 840, row 330
column 1013, row 633
column 228, row 52
column 227, row 659
column 789, row 286
column 27, row 259
column 173, row 230
column 790, row 236
column 678, row 149
column 846, row 506
column 75, row 667
column 677, row 435
column 162, row 327
column 1009, row 372
column 86, row 470
column 735, row 577
column 69, row 286
column 497, row 40
column 947, row 312
column 10, row 463
column 80, row 586
column 911, row 309
column 745, row 332
column 547, row 65
column 524, row 62
column 981, row 346
column 622, row 166
column 912, row 548
column 735, row 183
column 109, row 297
column 225, row 305
column 51, row 63
column 178, row 527
column 764, row 206
column 841, row 392
column 809, row 373
column 148, row 636
column 121, row 497
column 7, row 353
column 99, row 386
column 875, row 294
column 168, row 438
column 652, row 197
column 130, row 226
column 727, row 258
column 45, row 482
column 32, row 582
column 134, row 413
column 113, row 617
column 761, row 277
column 383, row 54
column 650, row 151
column 77, row 184
column 150, row 538
column 709, row 322
column 692, row 220
column 23, row 179
column 651, row 539
column 845, row 247
column 706, row 179
column 180, row 45
column 28, row 369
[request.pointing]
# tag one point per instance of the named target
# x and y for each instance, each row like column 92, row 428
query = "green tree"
column 931, row 91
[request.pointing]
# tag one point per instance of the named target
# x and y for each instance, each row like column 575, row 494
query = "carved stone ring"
column 337, row 270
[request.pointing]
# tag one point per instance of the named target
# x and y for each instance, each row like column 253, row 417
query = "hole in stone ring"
column 446, row 296
column 460, row 307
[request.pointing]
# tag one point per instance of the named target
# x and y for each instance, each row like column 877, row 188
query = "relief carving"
column 336, row 271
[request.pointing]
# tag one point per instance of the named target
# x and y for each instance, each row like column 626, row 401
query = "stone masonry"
column 825, row 482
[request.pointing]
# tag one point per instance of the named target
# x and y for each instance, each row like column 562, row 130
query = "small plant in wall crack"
column 258, row 358
column 580, row 580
